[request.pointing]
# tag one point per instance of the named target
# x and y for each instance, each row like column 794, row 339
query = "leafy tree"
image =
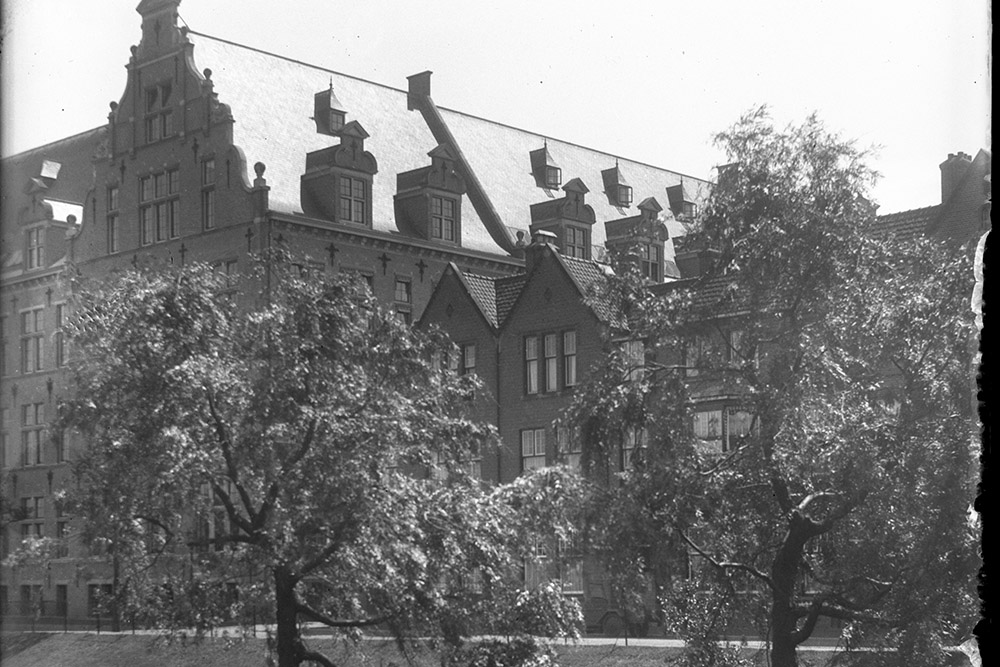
column 271, row 453
column 844, row 491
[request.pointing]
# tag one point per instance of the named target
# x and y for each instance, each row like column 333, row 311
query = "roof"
column 271, row 100
column 590, row 278
column 907, row 224
column 73, row 176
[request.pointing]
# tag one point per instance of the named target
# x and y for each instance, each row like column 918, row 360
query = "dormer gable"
column 569, row 219
column 617, row 189
column 547, row 173
column 682, row 203
column 337, row 184
column 328, row 113
column 642, row 238
column 428, row 200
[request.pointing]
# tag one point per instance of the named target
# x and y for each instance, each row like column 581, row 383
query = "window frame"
column 443, row 225
column 207, row 178
column 569, row 355
column 357, row 205
column 34, row 238
column 532, row 384
column 32, row 340
column 577, row 242
column 533, row 449
column 159, row 206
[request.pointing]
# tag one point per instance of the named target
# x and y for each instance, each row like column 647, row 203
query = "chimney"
column 540, row 241
column 419, row 89
column 953, row 170
column 697, row 262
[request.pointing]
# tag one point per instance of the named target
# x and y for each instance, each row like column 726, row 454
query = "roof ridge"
column 295, row 60
column 909, row 210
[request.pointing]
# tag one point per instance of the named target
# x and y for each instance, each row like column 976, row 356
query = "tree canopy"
column 836, row 480
column 298, row 451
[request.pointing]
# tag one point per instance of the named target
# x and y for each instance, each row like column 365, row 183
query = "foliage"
column 267, row 457
column 847, row 496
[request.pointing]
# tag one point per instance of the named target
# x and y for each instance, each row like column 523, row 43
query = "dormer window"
column 338, row 181
column 428, row 200
column 329, row 114
column 682, row 203
column 617, row 189
column 546, row 172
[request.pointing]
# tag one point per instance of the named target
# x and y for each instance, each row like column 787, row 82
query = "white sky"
column 650, row 80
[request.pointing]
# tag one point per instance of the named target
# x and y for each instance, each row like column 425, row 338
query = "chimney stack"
column 540, row 240
column 953, row 170
column 419, row 89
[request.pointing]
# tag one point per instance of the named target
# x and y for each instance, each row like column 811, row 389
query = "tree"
column 272, row 450
column 840, row 481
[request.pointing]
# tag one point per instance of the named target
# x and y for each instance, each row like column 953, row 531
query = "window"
column 577, row 243
column 474, row 464
column 32, row 341
column 553, row 177
column 404, row 299
column 634, row 352
column 551, row 372
column 100, row 599
column 33, row 522
column 60, row 338
column 570, row 446
column 531, row 364
column 738, row 349
column 443, row 219
column 468, row 359
column 60, row 446
column 569, row 358
column 532, row 449
column 624, row 195
column 353, row 200
column 32, row 428
column 113, row 218
column 159, row 115
column 62, row 602
column 651, row 261
column 208, row 194
column 635, row 438
column 708, row 429
column 35, row 257
column 570, row 568
column 159, row 207
column 62, row 534
column 739, row 424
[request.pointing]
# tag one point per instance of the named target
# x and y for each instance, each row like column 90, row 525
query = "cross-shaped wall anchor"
column 332, row 251
column 135, row 261
column 385, row 259
column 48, row 297
column 249, row 236
column 421, row 266
column 183, row 252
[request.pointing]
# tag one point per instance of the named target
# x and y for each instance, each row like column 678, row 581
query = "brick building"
column 217, row 150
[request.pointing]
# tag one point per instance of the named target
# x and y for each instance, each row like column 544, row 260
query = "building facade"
column 349, row 176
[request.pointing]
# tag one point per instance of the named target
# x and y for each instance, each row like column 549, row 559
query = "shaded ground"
column 90, row 650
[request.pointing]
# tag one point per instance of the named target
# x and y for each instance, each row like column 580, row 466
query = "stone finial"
column 259, row 169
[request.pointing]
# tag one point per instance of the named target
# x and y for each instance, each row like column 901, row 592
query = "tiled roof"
column 590, row 277
column 271, row 99
column 507, row 291
column 907, row 224
column 483, row 291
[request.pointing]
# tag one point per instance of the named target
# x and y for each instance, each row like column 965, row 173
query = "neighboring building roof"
column 69, row 160
column 271, row 99
column 907, row 224
column 590, row 279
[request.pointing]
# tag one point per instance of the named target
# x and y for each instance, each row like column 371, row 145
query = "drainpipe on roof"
column 419, row 97
column 497, row 401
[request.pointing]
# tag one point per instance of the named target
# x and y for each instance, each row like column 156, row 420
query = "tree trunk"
column 784, row 573
column 288, row 640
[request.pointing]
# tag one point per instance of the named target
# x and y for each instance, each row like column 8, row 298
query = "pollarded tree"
column 811, row 440
column 273, row 451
